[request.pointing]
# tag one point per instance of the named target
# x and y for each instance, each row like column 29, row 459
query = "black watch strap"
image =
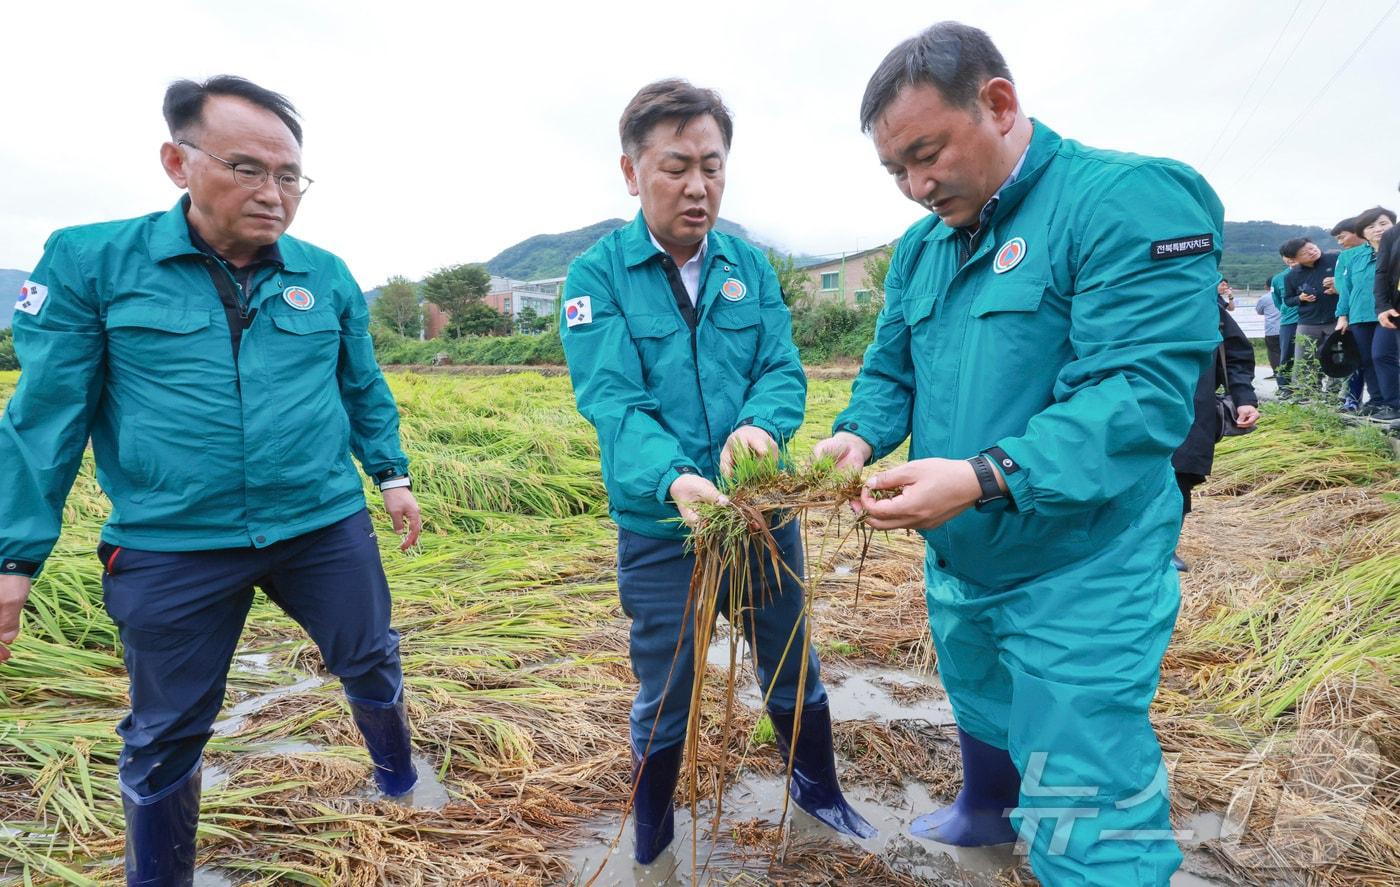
column 991, row 493
column 17, row 567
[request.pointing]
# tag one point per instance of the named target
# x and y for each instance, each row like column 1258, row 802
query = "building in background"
column 508, row 297
column 843, row 278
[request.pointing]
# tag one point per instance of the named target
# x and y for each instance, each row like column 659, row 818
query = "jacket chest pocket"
column 157, row 354
column 660, row 346
column 736, row 330
column 1016, row 333
column 153, row 335
column 306, row 336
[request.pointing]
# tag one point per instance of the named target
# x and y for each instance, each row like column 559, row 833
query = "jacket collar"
column 637, row 247
column 169, row 238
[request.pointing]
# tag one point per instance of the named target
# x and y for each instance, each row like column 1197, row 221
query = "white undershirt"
column 690, row 271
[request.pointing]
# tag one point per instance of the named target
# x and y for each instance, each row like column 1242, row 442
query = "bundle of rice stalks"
column 736, row 557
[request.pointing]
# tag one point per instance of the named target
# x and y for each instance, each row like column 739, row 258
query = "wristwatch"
column 391, row 480
column 992, row 498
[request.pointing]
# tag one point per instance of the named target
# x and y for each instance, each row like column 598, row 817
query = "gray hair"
column 954, row 58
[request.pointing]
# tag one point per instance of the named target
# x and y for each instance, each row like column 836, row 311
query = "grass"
column 515, row 654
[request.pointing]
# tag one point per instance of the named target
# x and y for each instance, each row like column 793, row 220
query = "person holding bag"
column 1236, row 411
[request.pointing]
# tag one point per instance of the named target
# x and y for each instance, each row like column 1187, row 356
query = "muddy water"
column 428, row 794
column 856, row 693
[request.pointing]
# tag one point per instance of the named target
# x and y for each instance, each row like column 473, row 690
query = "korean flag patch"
column 578, row 311
column 31, row 297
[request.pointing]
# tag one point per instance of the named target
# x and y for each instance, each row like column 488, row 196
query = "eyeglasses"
column 252, row 176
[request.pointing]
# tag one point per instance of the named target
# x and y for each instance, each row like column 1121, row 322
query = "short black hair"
column 1290, row 247
column 671, row 99
column 184, row 101
column 1368, row 218
column 1347, row 225
column 954, row 58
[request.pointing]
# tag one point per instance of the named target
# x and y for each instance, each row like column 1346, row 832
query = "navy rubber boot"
column 160, row 835
column 653, row 806
column 385, row 729
column 978, row 816
column 814, row 787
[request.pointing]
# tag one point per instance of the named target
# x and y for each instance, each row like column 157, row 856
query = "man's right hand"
column 14, row 591
column 1390, row 319
column 689, row 489
column 850, row 451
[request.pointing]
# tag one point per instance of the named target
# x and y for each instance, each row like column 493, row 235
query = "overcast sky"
column 441, row 133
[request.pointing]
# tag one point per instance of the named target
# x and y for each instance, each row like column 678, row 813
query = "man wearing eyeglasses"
column 224, row 372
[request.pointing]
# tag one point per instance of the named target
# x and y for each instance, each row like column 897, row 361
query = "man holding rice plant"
column 224, row 372
column 1043, row 330
column 681, row 355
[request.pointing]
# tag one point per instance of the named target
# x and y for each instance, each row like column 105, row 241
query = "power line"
column 1307, row 109
column 1265, row 94
column 1255, row 79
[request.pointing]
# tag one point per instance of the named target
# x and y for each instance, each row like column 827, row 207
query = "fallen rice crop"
column 1278, row 704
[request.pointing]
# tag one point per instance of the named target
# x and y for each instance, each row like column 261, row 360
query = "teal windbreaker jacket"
column 1072, row 338
column 130, row 346
column 663, row 397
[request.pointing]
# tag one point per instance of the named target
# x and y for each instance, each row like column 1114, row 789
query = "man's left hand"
column 1246, row 416
column 403, row 509
column 934, row 492
column 757, row 440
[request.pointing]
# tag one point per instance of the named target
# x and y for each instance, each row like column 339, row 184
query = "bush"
column 8, row 361
column 518, row 350
column 830, row 331
column 824, row 333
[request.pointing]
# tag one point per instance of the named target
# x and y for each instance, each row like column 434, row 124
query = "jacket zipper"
column 691, row 314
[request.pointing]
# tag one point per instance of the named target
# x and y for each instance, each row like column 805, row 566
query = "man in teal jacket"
column 224, row 372
column 680, row 351
column 1043, row 331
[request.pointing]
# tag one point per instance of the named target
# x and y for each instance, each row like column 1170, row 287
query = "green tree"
column 795, row 284
column 530, row 322
column 397, row 307
column 8, row 361
column 480, row 319
column 458, row 290
column 877, row 265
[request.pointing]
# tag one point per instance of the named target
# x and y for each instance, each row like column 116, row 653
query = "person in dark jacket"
column 1388, row 281
column 1232, row 369
column 1308, row 287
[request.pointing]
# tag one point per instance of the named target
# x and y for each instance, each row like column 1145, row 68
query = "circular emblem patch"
column 1009, row 256
column 299, row 298
column 733, row 290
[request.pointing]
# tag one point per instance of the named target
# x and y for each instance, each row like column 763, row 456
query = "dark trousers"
column 653, row 580
column 1379, row 362
column 1271, row 345
column 1287, row 332
column 180, row 614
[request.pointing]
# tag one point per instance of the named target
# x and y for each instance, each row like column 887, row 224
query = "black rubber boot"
column 978, row 817
column 160, row 835
column 814, row 786
column 385, row 729
column 653, row 806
